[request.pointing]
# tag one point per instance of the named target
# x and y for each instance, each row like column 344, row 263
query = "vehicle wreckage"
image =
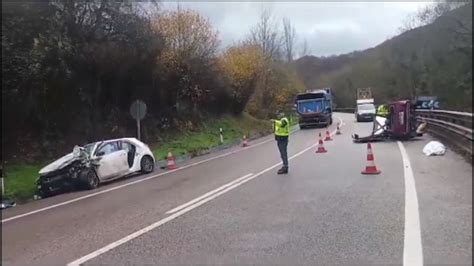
column 401, row 124
column 97, row 162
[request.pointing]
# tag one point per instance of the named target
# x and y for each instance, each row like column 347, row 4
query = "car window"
column 126, row 146
column 366, row 107
column 109, row 148
column 88, row 148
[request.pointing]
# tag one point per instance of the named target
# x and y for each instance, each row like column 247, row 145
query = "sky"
column 330, row 28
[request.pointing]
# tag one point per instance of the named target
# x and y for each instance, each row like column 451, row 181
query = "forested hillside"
column 433, row 59
column 71, row 69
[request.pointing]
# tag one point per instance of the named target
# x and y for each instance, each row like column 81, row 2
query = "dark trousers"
column 282, row 147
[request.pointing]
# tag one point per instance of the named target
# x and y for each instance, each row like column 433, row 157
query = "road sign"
column 138, row 112
column 364, row 93
column 427, row 102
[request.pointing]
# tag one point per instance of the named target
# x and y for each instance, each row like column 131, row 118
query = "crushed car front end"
column 58, row 181
column 63, row 174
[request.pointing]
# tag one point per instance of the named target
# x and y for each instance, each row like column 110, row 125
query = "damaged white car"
column 86, row 167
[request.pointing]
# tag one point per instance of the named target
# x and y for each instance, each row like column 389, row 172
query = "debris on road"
column 6, row 203
column 434, row 148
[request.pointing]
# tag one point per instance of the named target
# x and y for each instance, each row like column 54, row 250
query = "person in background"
column 282, row 131
column 383, row 110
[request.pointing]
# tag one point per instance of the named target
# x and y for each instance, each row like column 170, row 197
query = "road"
column 323, row 212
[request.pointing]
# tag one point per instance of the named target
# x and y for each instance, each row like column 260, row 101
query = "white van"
column 365, row 112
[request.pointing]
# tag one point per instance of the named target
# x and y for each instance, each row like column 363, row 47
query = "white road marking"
column 136, row 181
column 130, row 183
column 140, row 232
column 207, row 194
column 412, row 248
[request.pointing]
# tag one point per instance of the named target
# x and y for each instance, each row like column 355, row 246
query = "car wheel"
column 44, row 194
column 147, row 164
column 90, row 179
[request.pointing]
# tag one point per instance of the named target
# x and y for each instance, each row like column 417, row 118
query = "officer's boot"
column 283, row 170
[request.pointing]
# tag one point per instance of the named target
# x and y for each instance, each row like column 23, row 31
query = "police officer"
column 282, row 131
column 383, row 110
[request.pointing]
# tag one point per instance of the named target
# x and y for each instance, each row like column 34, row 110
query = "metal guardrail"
column 452, row 126
column 344, row 110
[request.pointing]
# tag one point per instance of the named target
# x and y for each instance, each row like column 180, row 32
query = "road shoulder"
column 444, row 186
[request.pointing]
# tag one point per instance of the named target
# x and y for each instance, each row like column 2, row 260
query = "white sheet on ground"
column 434, row 148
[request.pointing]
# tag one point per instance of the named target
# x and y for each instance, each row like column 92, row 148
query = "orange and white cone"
column 328, row 136
column 171, row 164
column 338, row 130
column 244, row 141
column 370, row 169
column 321, row 148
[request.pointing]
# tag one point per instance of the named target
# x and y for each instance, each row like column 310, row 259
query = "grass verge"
column 207, row 137
column 19, row 179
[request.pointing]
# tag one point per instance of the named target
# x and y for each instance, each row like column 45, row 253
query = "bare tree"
column 289, row 38
column 265, row 35
column 305, row 50
column 430, row 13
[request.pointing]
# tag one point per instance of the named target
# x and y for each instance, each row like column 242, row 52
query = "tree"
column 190, row 46
column 289, row 38
column 429, row 13
column 305, row 50
column 242, row 64
column 265, row 35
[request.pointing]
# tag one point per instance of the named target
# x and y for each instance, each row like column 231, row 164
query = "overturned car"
column 88, row 166
column 401, row 124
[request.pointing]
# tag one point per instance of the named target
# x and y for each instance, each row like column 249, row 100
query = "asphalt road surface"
column 231, row 207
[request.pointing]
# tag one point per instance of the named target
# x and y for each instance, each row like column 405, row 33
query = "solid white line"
column 136, row 181
column 175, row 215
column 207, row 194
column 412, row 248
column 130, row 183
column 140, row 232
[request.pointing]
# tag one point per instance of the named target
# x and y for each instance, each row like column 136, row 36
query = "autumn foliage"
column 71, row 69
column 242, row 64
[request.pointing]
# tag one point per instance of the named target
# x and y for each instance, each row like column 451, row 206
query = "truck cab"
column 314, row 108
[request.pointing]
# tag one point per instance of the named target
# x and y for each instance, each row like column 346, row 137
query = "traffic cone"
column 338, row 130
column 328, row 136
column 321, row 148
column 370, row 169
column 171, row 161
column 244, row 141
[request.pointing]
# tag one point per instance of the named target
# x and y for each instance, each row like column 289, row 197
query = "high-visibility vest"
column 280, row 130
column 382, row 110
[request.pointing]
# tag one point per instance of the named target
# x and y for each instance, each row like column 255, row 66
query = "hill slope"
column 435, row 59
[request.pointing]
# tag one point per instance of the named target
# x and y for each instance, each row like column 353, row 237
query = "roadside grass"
column 19, row 179
column 207, row 137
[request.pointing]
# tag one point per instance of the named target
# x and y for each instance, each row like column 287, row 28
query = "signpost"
column 138, row 112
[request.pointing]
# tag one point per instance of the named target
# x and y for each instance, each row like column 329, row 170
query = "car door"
column 131, row 152
column 113, row 160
